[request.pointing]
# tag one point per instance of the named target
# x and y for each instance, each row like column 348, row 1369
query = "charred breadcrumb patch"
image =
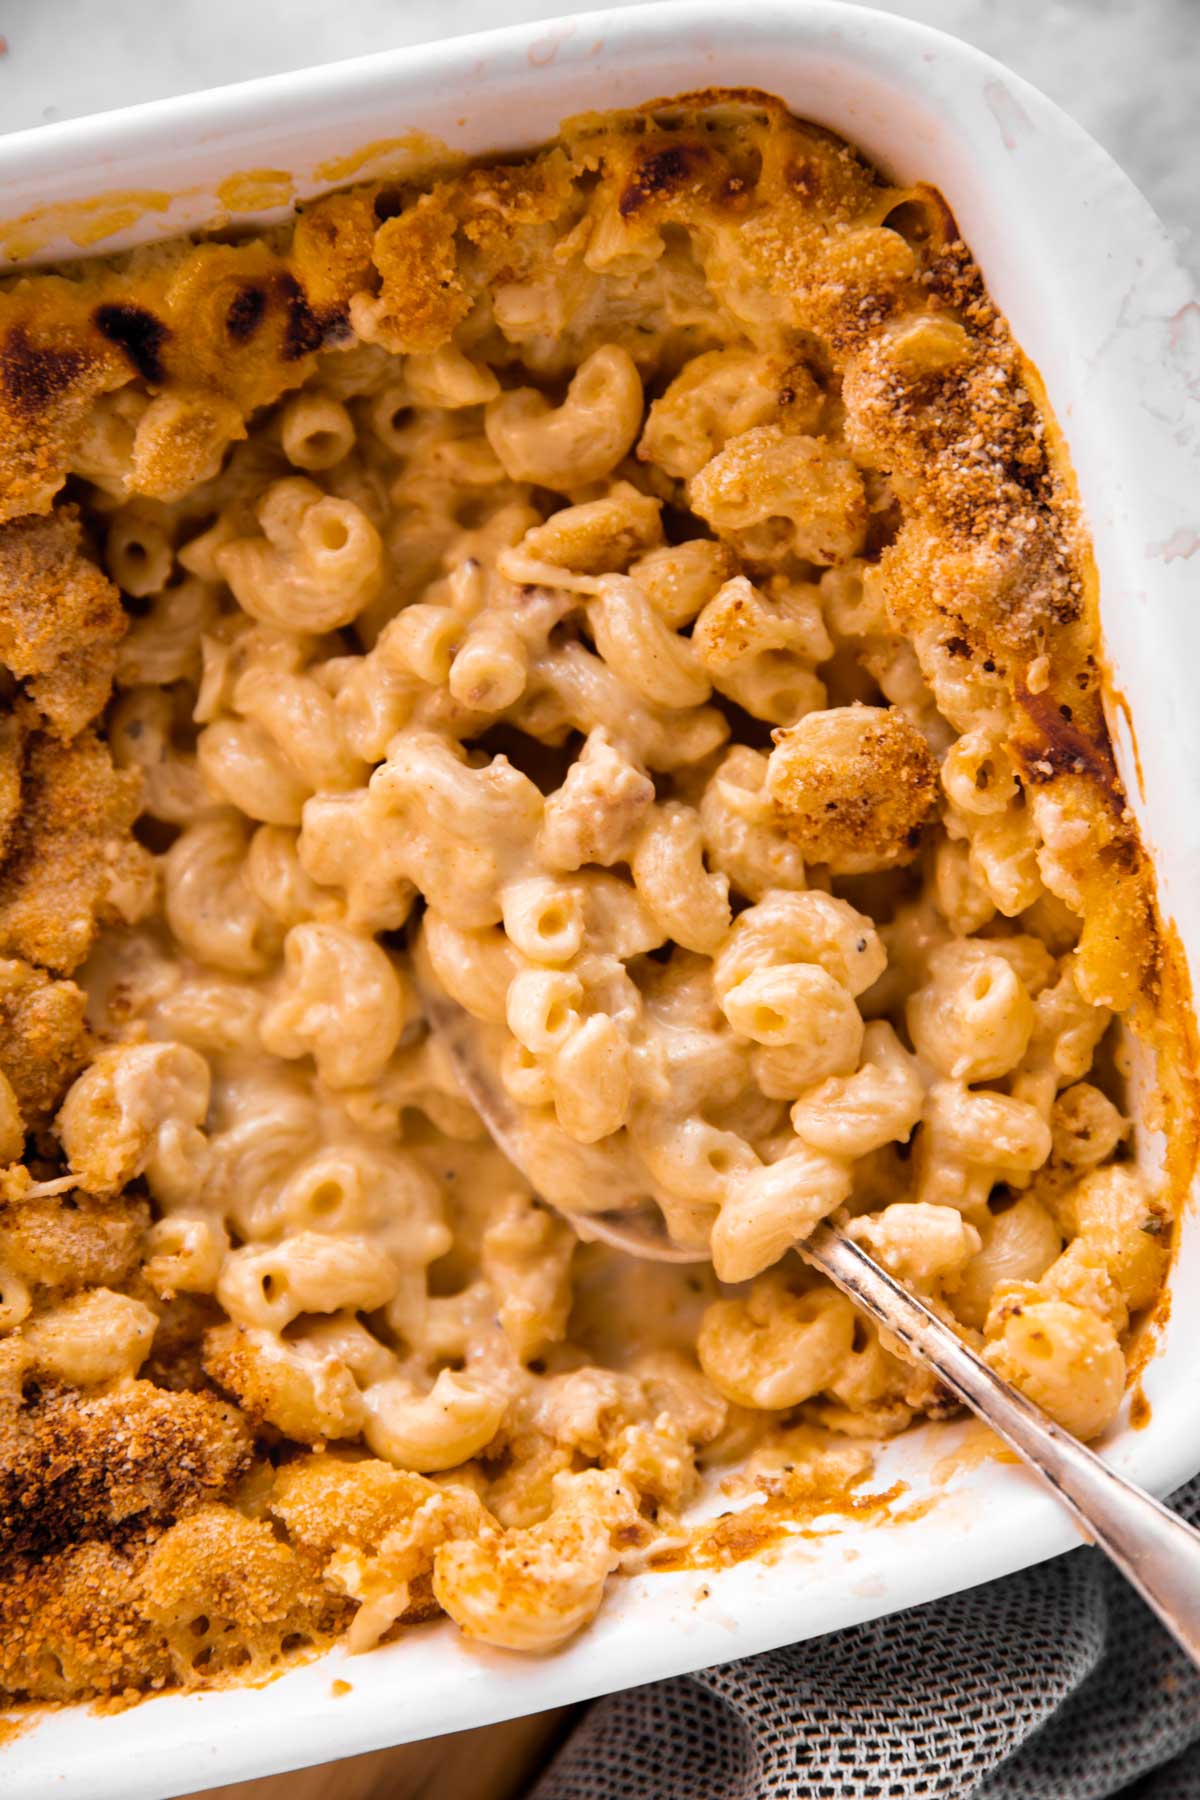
column 1062, row 746
column 303, row 333
column 33, row 375
column 661, row 172
column 72, row 842
column 245, row 314
column 137, row 332
column 76, row 1466
column 43, row 1042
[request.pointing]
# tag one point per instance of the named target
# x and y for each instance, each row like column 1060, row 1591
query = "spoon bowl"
column 638, row 1230
column 1154, row 1548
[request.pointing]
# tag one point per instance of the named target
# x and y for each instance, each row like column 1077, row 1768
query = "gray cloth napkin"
column 1054, row 1684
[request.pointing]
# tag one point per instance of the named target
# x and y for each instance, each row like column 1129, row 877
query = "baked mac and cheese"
column 640, row 582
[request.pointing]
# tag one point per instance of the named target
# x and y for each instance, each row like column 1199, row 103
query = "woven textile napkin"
column 1054, row 1684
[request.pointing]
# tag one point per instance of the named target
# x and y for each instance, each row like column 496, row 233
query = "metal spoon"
column 1153, row 1548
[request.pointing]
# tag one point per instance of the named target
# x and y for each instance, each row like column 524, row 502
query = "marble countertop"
column 1129, row 70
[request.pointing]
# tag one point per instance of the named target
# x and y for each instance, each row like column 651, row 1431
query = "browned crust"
column 991, row 569
column 12, row 761
column 53, row 364
column 264, row 1392
column 43, row 1043
column 231, row 1598
column 224, row 329
column 60, row 619
column 74, row 1467
column 420, row 285
column 1058, row 745
column 791, row 1499
column 176, row 1358
column 215, row 1597
column 68, row 851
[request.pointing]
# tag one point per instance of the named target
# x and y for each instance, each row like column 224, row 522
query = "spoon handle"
column 1158, row 1552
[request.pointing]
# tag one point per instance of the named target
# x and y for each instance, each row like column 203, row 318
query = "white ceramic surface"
column 1095, row 294
column 1103, row 62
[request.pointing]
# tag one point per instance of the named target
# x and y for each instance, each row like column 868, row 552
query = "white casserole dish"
column 1092, row 287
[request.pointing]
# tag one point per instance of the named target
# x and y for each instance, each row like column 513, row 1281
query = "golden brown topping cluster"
column 42, row 1043
column 60, row 619
column 853, row 787
column 70, row 863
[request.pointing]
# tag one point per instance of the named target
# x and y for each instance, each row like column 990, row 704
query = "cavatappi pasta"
column 640, row 582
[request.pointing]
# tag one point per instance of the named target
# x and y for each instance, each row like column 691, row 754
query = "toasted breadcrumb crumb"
column 61, row 619
column 78, row 1466
column 70, row 852
column 43, row 1042
column 853, row 787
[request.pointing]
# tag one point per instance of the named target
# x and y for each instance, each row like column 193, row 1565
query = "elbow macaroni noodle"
column 569, row 644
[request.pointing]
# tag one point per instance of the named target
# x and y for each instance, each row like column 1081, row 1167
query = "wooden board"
column 497, row 1762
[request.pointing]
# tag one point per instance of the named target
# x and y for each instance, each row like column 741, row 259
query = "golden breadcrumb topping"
column 216, row 1595
column 230, row 1598
column 72, row 1240
column 854, row 787
column 52, row 367
column 60, row 619
column 267, row 1391
column 70, row 1625
column 42, row 1037
column 12, row 744
column 71, row 861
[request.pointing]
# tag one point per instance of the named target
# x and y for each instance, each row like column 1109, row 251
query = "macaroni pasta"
column 640, row 583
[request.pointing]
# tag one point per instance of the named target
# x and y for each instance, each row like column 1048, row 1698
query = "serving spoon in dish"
column 1156, row 1550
